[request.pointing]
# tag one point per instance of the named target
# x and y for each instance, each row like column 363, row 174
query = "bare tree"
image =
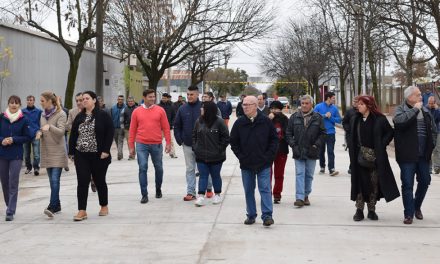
column 401, row 38
column 163, row 35
column 302, row 54
column 77, row 16
column 338, row 26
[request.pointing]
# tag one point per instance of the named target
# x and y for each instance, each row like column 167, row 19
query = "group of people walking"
column 89, row 146
column 260, row 139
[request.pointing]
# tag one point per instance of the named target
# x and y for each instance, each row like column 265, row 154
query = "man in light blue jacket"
column 330, row 114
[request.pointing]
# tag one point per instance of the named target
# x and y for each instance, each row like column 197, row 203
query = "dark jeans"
column 87, row 164
column 9, row 176
column 205, row 170
column 407, row 172
column 54, row 175
column 329, row 140
column 35, row 144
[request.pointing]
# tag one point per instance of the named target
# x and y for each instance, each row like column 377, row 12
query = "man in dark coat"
column 239, row 110
column 254, row 141
column 305, row 134
column 346, row 124
column 170, row 110
column 415, row 138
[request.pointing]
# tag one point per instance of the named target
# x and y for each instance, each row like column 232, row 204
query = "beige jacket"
column 72, row 114
column 52, row 144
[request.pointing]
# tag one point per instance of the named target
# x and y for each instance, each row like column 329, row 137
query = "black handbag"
column 366, row 157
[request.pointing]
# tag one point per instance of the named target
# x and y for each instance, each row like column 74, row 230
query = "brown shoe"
column 419, row 214
column 306, row 201
column 408, row 220
column 82, row 215
column 299, row 203
column 103, row 211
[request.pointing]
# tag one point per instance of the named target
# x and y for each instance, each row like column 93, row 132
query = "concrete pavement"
column 169, row 230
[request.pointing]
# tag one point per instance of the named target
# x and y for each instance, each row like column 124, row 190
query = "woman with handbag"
column 371, row 174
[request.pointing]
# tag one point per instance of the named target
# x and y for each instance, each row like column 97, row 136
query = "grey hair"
column 409, row 91
column 307, row 97
column 130, row 98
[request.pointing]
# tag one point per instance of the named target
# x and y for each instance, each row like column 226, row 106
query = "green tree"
column 6, row 55
column 227, row 81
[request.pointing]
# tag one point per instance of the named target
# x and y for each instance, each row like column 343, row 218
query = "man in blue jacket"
column 330, row 114
column 225, row 108
column 184, row 123
column 254, row 141
column 117, row 114
column 33, row 115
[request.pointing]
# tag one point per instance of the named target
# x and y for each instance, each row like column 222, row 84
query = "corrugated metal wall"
column 40, row 64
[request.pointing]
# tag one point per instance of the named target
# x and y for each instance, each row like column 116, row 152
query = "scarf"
column 307, row 116
column 48, row 113
column 13, row 117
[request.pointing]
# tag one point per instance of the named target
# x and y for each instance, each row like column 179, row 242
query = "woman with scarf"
column 280, row 122
column 52, row 147
column 370, row 181
column 14, row 131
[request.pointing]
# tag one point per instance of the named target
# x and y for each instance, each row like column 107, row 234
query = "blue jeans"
column 143, row 151
column 264, row 187
column 54, row 175
column 304, row 176
column 190, row 164
column 407, row 172
column 213, row 170
column 35, row 152
column 329, row 140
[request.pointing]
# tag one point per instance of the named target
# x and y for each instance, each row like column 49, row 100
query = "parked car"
column 284, row 101
column 234, row 100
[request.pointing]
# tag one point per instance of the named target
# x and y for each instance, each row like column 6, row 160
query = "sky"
column 246, row 56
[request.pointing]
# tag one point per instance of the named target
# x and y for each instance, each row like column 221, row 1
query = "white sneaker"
column 200, row 201
column 217, row 199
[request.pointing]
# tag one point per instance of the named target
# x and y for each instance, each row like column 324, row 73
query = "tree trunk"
column 342, row 89
column 315, row 82
column 71, row 80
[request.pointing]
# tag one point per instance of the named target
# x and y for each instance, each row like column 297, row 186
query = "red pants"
column 278, row 167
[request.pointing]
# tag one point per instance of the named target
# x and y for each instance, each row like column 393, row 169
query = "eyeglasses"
column 246, row 105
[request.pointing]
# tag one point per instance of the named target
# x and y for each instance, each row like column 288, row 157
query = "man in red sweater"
column 146, row 127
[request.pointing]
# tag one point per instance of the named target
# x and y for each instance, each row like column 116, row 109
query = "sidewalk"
column 169, row 230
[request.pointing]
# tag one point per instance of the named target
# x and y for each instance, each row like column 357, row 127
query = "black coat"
column 209, row 144
column 305, row 142
column 406, row 138
column 254, row 143
column 283, row 121
column 104, row 132
column 382, row 134
column 170, row 110
column 346, row 122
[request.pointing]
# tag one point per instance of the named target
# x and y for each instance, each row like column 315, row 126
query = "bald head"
column 250, row 106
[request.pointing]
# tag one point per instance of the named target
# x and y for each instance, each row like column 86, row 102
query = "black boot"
column 372, row 215
column 359, row 215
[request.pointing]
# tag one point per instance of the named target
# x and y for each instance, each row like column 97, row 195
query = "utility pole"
column 99, row 76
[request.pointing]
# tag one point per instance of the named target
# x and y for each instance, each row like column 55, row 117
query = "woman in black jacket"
column 210, row 138
column 370, row 129
column 89, row 144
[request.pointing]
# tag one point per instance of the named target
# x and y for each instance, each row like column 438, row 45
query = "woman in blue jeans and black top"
column 52, row 147
column 14, row 131
column 210, row 139
column 89, row 144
